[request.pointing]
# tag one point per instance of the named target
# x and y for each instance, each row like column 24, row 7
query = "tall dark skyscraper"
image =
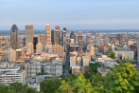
column 57, row 35
column 35, row 42
column 64, row 39
column 52, row 36
column 14, row 36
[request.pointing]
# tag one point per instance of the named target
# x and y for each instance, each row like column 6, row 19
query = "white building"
column 11, row 74
column 53, row 68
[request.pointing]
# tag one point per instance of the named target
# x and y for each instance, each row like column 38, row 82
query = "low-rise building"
column 11, row 74
column 53, row 68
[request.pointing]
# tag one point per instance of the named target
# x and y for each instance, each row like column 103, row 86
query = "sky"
column 72, row 14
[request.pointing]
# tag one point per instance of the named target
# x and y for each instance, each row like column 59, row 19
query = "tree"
column 93, row 67
column 123, row 79
column 5, row 89
column 78, row 85
column 110, row 54
column 50, row 86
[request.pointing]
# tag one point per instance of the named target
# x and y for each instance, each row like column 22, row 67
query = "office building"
column 0, row 43
column 97, row 39
column 30, row 48
column 41, row 38
column 106, row 39
column 125, row 50
column 73, row 37
column 59, row 50
column 64, row 39
column 79, row 61
column 52, row 36
column 35, row 42
column 88, row 39
column 48, row 34
column 85, row 60
column 53, row 68
column 72, row 61
column 29, row 37
column 57, row 35
column 120, row 38
column 11, row 55
column 11, row 74
column 14, row 36
column 81, row 42
column 32, row 69
column 39, row 48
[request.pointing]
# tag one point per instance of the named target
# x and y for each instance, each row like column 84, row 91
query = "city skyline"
column 78, row 14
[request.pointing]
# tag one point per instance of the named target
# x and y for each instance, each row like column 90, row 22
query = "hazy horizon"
column 79, row 14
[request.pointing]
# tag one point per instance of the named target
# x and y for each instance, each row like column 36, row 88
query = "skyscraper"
column 97, row 39
column 29, row 37
column 73, row 36
column 106, row 38
column 81, row 42
column 88, row 39
column 64, row 39
column 14, row 36
column 57, row 35
column 52, row 36
column 120, row 38
column 41, row 38
column 35, row 42
column 48, row 34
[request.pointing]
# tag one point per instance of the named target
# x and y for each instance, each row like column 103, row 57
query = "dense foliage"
column 50, row 86
column 17, row 88
column 110, row 54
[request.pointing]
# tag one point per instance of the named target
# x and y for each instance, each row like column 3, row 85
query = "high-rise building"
column 14, row 36
column 0, row 43
column 59, row 50
column 30, row 48
column 35, row 42
column 29, row 37
column 41, row 38
column 72, row 61
column 106, row 38
column 48, row 34
column 81, row 42
column 52, row 36
column 88, row 39
column 64, row 39
column 120, row 38
column 85, row 60
column 97, row 39
column 73, row 36
column 57, row 35
column 39, row 48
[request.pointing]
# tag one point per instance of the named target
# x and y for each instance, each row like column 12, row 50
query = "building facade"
column 106, row 39
column 29, row 36
column 64, row 39
column 14, row 36
column 97, row 39
column 11, row 74
column 48, row 34
column 53, row 68
column 57, row 35
column 120, row 38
